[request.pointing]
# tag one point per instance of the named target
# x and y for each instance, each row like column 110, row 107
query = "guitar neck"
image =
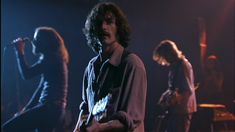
column 89, row 119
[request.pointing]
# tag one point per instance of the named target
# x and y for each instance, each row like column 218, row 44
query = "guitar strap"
column 124, row 55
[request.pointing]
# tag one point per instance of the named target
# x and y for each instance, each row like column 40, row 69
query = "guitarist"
column 114, row 82
column 179, row 98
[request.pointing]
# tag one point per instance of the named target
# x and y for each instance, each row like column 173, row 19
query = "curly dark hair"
column 94, row 21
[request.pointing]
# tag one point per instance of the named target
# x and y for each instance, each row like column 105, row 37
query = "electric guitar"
column 98, row 112
column 170, row 97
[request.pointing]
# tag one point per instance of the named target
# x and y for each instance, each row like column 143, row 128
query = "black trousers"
column 42, row 118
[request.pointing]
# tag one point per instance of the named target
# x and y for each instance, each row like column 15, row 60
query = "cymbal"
column 211, row 105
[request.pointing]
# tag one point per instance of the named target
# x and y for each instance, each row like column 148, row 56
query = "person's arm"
column 184, row 83
column 110, row 126
column 83, row 115
column 34, row 99
column 26, row 70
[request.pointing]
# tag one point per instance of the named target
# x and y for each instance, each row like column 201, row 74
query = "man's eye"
column 109, row 21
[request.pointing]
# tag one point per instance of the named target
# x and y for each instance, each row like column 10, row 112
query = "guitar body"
column 168, row 98
column 98, row 113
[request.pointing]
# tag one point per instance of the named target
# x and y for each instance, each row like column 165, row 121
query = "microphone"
column 25, row 39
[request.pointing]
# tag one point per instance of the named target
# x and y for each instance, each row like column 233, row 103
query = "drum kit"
column 220, row 113
column 209, row 117
column 214, row 116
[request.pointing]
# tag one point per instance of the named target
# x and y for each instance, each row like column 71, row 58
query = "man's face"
column 108, row 29
column 162, row 61
column 211, row 63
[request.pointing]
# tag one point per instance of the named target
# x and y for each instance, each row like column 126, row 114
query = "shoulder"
column 186, row 66
column 134, row 60
column 185, row 62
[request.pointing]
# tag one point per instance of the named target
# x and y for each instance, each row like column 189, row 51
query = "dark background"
column 151, row 21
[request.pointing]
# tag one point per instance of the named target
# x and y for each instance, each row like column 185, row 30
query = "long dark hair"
column 166, row 48
column 95, row 19
column 49, row 41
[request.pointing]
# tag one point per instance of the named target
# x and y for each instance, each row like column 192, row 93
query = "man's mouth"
column 106, row 34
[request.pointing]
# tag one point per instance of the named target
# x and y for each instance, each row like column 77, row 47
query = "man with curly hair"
column 114, row 82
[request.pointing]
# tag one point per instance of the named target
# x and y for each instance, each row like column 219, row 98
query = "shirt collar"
column 116, row 56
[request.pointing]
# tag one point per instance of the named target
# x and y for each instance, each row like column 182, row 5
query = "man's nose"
column 104, row 25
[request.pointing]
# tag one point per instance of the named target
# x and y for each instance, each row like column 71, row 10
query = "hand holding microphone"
column 19, row 44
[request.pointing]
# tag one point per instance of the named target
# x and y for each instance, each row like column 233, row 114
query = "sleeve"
column 133, row 102
column 181, row 80
column 84, row 104
column 83, row 115
column 34, row 99
column 184, row 83
column 26, row 70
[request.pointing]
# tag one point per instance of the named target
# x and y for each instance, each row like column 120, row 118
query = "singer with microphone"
column 45, row 110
